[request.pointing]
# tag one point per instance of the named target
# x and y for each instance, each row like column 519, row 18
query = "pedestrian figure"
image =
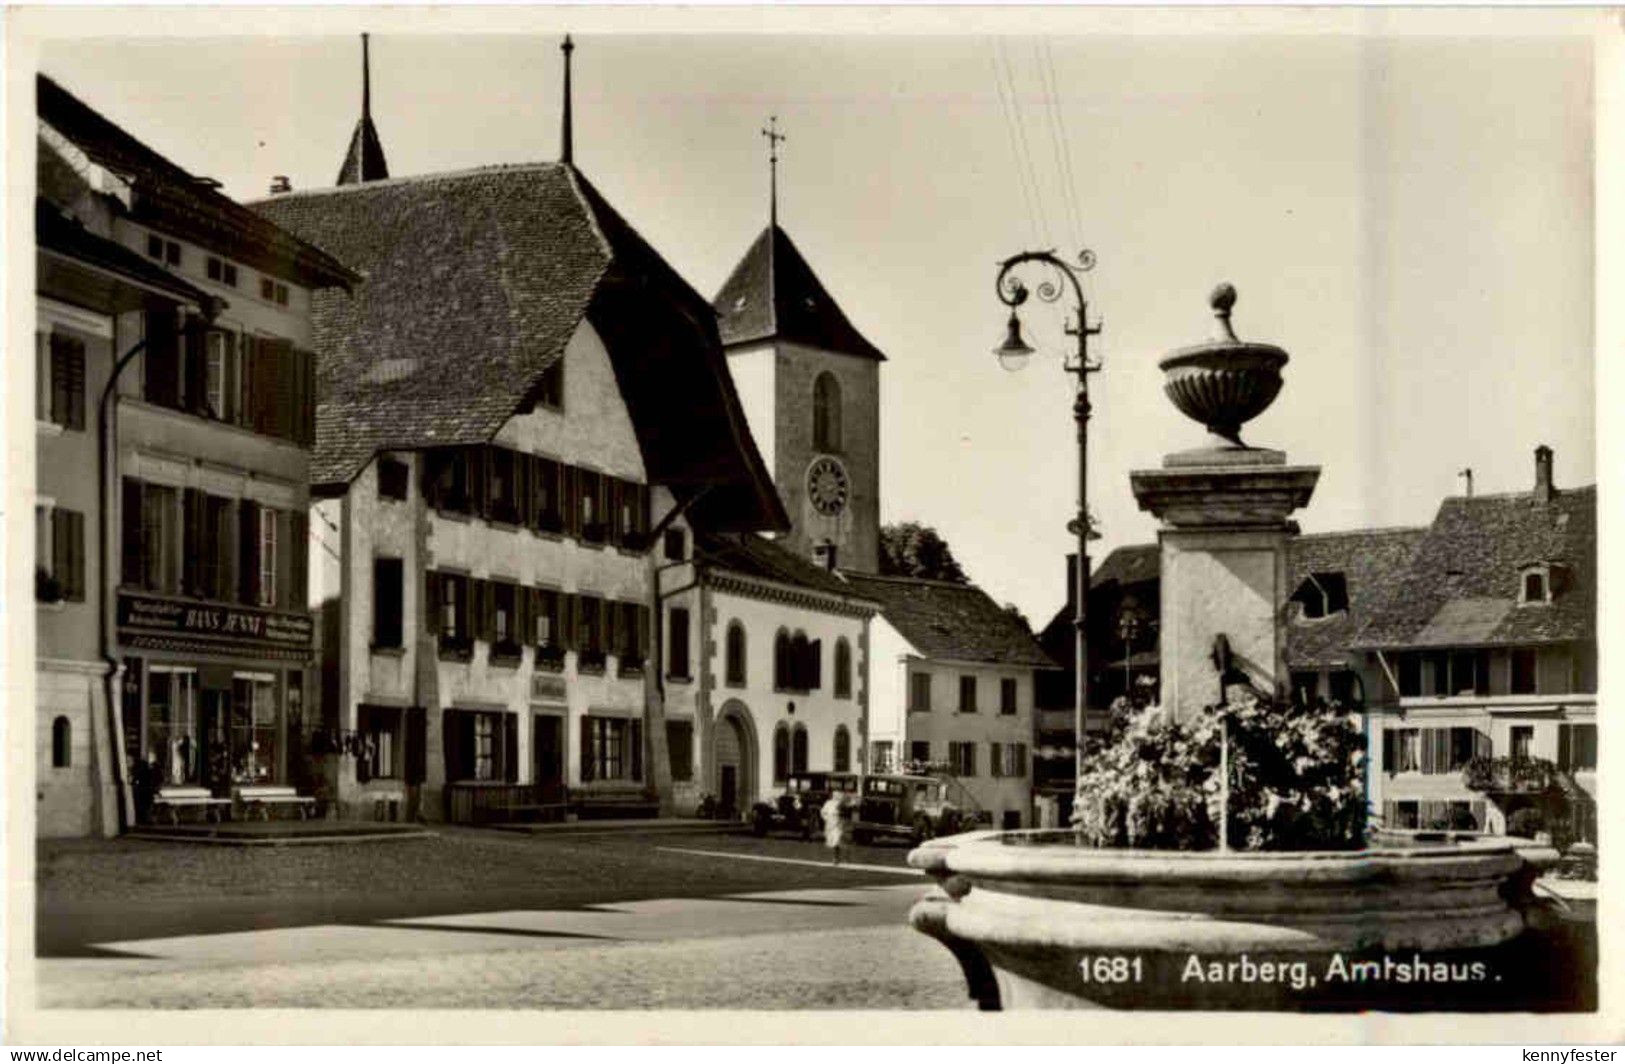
column 835, row 824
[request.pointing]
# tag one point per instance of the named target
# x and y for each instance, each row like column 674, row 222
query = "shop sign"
column 547, row 687
column 213, row 621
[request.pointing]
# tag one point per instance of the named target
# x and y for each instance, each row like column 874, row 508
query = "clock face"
column 827, row 485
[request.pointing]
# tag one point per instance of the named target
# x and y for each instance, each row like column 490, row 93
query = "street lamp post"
column 1013, row 354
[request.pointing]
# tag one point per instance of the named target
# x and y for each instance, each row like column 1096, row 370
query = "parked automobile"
column 911, row 807
column 796, row 809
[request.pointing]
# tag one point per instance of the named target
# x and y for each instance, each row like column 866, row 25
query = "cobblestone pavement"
column 591, row 930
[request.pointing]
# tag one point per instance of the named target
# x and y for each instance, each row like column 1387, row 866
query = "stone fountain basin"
column 1038, row 921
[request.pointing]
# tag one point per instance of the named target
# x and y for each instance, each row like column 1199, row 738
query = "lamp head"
column 1013, row 352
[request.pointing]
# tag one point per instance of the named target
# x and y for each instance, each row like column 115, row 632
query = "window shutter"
column 431, row 602
column 417, row 745
column 248, row 353
column 73, row 586
column 568, row 607
column 510, row 747
column 572, row 504
column 451, row 740
column 1389, row 757
column 298, row 559
column 248, row 541
column 586, row 749
column 995, row 762
column 636, row 744
column 130, row 532
column 524, row 627
column 1565, row 744
column 522, row 478
column 192, row 541
column 195, row 364
column 608, row 619
column 307, row 397
column 67, row 381
column 160, row 370
column 284, row 415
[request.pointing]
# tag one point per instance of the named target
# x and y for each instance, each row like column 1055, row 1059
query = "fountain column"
column 1225, row 509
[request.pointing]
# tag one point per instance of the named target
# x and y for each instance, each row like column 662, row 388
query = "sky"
column 1409, row 214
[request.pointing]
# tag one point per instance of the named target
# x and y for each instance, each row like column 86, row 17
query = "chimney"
column 1544, row 489
column 280, row 184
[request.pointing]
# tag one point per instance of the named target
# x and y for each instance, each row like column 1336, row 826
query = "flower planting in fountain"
column 1296, row 775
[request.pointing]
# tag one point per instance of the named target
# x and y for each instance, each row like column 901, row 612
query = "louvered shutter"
column 248, row 541
column 195, row 364
column 67, row 381
column 586, row 750
column 192, row 541
column 510, row 747
column 523, row 482
column 74, row 586
column 299, row 559
column 637, row 749
column 61, row 550
column 417, row 745
column 431, row 602
column 452, row 741
column 283, row 412
column 130, row 532
column 248, row 349
column 572, row 501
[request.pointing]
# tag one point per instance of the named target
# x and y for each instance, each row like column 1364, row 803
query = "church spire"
column 364, row 160
column 774, row 138
column 567, row 134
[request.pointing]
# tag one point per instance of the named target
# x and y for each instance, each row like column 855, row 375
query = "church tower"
column 364, row 161
column 810, row 385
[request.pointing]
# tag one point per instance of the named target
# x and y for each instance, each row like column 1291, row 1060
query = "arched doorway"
column 734, row 759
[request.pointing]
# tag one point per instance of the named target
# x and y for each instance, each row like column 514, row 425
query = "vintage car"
column 911, row 807
column 797, row 807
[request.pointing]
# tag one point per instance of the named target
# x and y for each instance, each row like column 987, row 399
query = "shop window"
column 680, row 746
column 798, row 748
column 919, row 692
column 61, row 743
column 388, row 590
column 734, row 655
column 394, row 479
column 967, row 694
column 612, row 749
column 268, row 556
column 678, row 668
column 254, row 731
column 843, row 749
column 379, row 752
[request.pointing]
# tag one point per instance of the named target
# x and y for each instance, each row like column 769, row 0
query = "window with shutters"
column 631, row 637
column 782, row 669
column 614, row 748
column 388, row 602
column 504, row 625
column 919, row 692
column 967, row 694
column 485, row 746
column 590, row 650
column 781, row 752
column 798, row 748
column 1522, row 740
column 547, row 620
column 677, row 656
column 1401, row 750
column 547, row 496
column 59, row 554
column 962, row 758
column 843, row 668
column 680, row 747
column 220, row 373
column 455, row 612
column 1577, row 747
column 733, row 670
column 221, row 271
column 590, row 489
column 1007, row 696
column 502, row 493
column 62, row 385
column 151, row 536
column 161, row 359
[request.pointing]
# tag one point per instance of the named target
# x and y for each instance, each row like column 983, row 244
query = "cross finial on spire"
column 774, row 139
column 567, row 138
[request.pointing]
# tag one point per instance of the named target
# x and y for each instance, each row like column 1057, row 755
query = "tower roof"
column 773, row 294
column 364, row 159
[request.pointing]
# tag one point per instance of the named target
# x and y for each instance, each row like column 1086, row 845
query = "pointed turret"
column 774, row 294
column 364, row 161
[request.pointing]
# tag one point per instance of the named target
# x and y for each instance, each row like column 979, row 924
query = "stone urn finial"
column 1226, row 382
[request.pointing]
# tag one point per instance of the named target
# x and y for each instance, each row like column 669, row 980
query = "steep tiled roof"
column 752, row 555
column 1462, row 584
column 956, row 622
column 1373, row 563
column 1128, row 565
column 56, row 232
column 167, row 197
column 476, row 281
column 774, row 294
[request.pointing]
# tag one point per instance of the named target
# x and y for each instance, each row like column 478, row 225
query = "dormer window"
column 1540, row 583
column 1322, row 594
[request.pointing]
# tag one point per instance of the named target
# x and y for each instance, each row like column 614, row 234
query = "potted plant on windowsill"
column 1140, row 900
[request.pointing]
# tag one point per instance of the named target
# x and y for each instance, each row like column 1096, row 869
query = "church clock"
column 827, row 485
